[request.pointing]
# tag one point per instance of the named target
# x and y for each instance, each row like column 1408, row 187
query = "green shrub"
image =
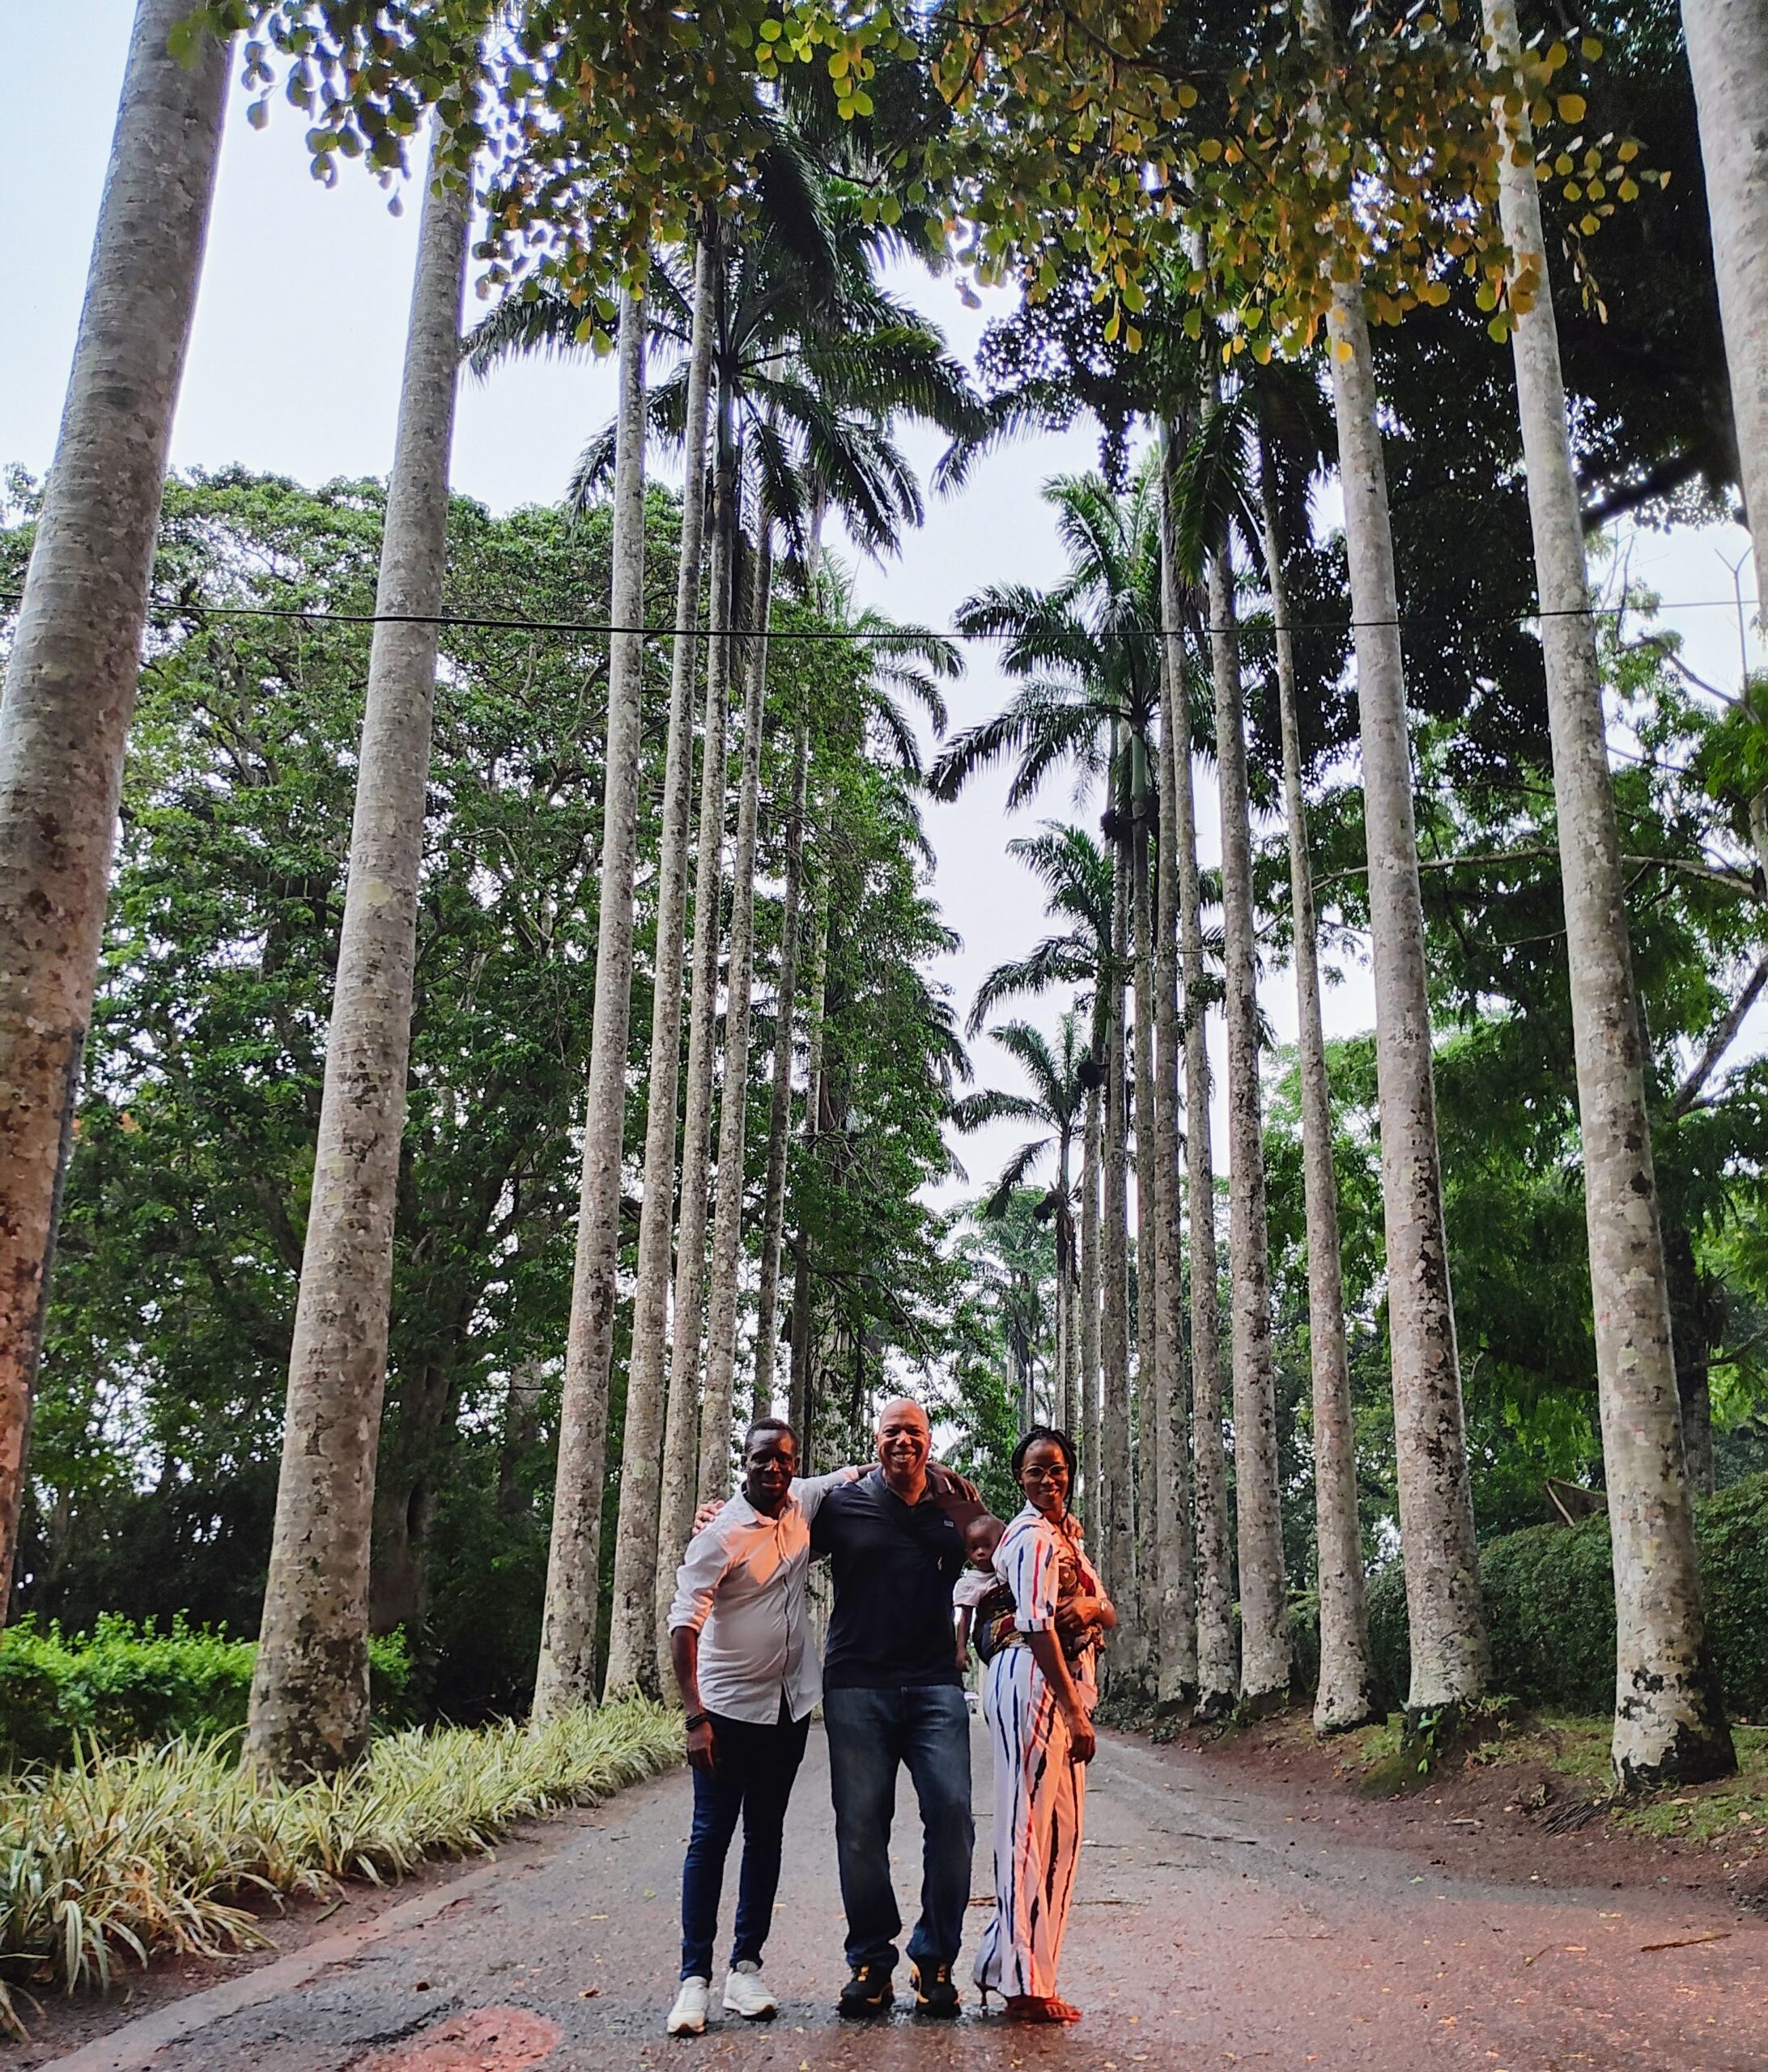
column 123, row 1685
column 119, row 1856
column 1549, row 1597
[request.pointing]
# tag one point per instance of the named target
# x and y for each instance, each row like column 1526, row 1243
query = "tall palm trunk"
column 631, row 1654
column 76, row 658
column 1669, row 1722
column 1727, row 53
column 1114, row 1266
column 803, row 1408
column 681, row 1432
column 1264, row 1644
column 1342, row 1697
column 1145, row 1541
column 1218, row 1673
column 1092, row 1177
column 1176, row 1620
column 309, row 1704
column 773, row 1218
column 727, row 1216
column 566, row 1673
column 1062, row 1236
column 1451, row 1652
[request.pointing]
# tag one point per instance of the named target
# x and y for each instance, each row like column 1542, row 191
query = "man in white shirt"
column 750, row 1677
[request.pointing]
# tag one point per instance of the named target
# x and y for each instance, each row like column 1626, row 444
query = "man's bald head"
column 905, row 1440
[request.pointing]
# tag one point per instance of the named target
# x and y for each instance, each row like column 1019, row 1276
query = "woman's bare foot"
column 1040, row 2007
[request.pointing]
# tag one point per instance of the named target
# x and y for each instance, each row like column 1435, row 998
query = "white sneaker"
column 745, row 1995
column 687, row 2017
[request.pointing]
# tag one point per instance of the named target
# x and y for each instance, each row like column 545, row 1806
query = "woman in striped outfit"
column 1038, row 1702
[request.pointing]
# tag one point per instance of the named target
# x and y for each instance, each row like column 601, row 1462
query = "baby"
column 978, row 1580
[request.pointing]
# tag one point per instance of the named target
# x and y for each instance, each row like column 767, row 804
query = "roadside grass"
column 119, row 1857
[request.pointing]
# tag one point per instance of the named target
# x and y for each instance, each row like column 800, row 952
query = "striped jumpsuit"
column 1039, row 1794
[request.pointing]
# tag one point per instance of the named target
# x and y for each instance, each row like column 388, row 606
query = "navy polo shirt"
column 895, row 1564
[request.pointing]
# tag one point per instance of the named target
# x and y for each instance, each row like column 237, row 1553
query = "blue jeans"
column 753, row 1771
column 871, row 1734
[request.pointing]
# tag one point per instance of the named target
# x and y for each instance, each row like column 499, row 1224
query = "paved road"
column 1210, row 1930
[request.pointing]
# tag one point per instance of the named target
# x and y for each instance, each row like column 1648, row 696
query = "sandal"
column 1042, row 2009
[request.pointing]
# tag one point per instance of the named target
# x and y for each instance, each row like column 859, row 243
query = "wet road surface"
column 1211, row 1929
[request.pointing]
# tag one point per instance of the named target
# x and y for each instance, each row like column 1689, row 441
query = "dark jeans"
column 871, row 1734
column 753, row 1771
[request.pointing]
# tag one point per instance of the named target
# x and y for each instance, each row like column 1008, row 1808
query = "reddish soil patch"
column 488, row 2040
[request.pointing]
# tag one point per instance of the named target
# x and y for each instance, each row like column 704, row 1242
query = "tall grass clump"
column 120, row 1856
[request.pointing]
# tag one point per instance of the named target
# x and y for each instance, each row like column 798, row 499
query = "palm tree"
column 1727, row 53
column 1264, row 1647
column 908, row 663
column 1451, row 1650
column 1056, row 1105
column 566, row 1673
column 1669, row 1723
column 1091, row 691
column 76, row 655
column 309, row 1706
column 1078, row 878
column 1218, row 1670
column 632, row 1664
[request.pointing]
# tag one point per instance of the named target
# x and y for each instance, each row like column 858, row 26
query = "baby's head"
column 982, row 1536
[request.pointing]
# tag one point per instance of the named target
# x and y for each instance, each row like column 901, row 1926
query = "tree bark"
column 309, row 1704
column 1343, row 1697
column 1060, row 1233
column 566, row 1673
column 1265, row 1663
column 1092, row 1170
column 1450, row 1651
column 1119, row 1572
column 1218, row 1669
column 773, row 1220
column 803, row 1407
column 1146, row 1543
column 1727, row 53
column 715, row 1455
column 632, row 1653
column 1669, row 1722
column 76, row 658
column 1177, row 1620
column 681, row 1436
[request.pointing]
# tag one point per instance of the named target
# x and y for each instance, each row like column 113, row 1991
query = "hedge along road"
column 1209, row 1930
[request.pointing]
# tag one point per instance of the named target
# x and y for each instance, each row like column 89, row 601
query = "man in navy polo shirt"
column 893, row 1695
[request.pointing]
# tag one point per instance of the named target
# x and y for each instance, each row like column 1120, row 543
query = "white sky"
column 294, row 367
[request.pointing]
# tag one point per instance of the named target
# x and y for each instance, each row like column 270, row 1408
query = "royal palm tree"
column 1055, row 1104
column 1668, row 1721
column 1451, row 1648
column 76, row 656
column 309, row 1704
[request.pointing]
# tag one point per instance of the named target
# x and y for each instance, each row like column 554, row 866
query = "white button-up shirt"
column 742, row 1590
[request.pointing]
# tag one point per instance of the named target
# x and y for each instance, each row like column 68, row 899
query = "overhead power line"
column 880, row 636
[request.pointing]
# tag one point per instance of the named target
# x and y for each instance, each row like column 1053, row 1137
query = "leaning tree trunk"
column 1119, row 1573
column 728, row 1216
column 309, row 1704
column 1145, row 1543
column 1669, row 1722
column 1092, row 1169
column 1176, row 1617
column 773, row 1214
column 632, row 1651
column 1342, row 1697
column 1451, row 1652
column 1264, row 1644
column 681, row 1433
column 1727, row 53
column 76, row 659
column 565, row 1676
column 1217, row 1670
